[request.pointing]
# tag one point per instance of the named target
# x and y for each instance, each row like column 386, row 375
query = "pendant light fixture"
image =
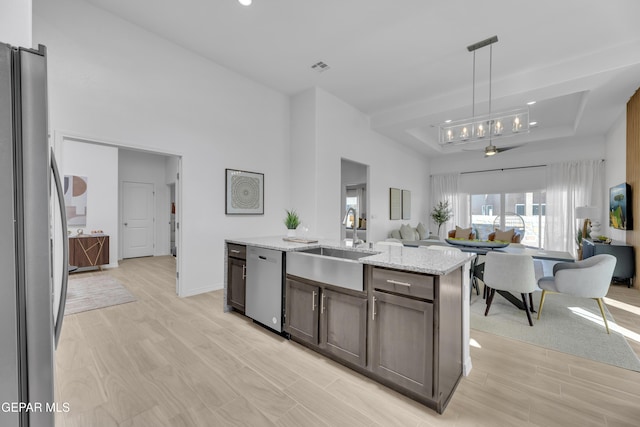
column 492, row 125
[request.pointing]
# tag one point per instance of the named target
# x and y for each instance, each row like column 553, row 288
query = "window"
column 540, row 209
column 529, row 206
column 351, row 202
column 487, row 209
column 484, row 208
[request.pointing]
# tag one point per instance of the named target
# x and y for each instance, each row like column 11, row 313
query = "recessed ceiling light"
column 448, row 121
column 533, row 123
column 531, row 102
column 245, row 2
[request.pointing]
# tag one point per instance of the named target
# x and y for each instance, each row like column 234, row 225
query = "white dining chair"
column 512, row 273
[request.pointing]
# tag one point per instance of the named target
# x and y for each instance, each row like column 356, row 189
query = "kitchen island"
column 403, row 321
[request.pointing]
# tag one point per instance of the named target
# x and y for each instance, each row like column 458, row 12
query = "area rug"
column 567, row 324
column 86, row 293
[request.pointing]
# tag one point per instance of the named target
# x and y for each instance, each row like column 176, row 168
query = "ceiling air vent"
column 320, row 67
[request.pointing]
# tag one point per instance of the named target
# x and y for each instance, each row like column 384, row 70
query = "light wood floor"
column 169, row 361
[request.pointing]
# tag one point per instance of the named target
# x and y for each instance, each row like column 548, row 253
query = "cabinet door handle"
column 373, row 311
column 322, row 303
column 244, row 271
column 395, row 282
column 235, row 251
column 313, row 301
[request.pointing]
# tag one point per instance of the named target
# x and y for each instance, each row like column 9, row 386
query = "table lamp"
column 587, row 213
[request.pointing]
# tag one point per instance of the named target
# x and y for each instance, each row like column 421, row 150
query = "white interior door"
column 138, row 219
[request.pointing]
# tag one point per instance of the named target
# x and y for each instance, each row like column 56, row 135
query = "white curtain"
column 445, row 187
column 570, row 185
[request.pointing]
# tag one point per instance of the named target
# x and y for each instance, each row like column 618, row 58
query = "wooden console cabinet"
column 89, row 250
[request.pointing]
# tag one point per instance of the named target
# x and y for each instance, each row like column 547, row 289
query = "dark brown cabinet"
column 343, row 326
column 89, row 250
column 404, row 330
column 302, row 311
column 329, row 319
column 403, row 341
column 236, row 276
column 415, row 332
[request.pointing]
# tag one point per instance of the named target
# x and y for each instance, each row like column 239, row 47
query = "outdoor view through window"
column 525, row 212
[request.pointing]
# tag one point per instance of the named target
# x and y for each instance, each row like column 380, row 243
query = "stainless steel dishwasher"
column 264, row 287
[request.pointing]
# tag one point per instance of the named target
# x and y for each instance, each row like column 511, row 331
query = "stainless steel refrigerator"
column 31, row 296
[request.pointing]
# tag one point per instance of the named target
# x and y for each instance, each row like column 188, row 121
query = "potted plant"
column 291, row 221
column 441, row 214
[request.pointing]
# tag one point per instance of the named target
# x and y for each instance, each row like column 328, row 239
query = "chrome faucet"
column 356, row 241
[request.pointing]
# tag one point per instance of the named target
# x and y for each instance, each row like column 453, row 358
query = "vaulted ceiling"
column 405, row 62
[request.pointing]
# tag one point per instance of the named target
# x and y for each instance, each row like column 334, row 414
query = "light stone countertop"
column 419, row 260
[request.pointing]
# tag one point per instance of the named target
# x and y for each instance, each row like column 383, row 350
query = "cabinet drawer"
column 237, row 251
column 415, row 285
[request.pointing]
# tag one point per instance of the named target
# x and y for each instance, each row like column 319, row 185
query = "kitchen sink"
column 337, row 253
column 337, row 267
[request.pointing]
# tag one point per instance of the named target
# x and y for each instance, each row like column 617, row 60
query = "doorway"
column 354, row 198
column 119, row 164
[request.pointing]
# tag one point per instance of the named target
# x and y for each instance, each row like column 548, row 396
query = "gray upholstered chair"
column 513, row 273
column 589, row 278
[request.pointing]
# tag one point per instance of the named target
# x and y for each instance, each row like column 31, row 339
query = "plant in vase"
column 291, row 221
column 441, row 214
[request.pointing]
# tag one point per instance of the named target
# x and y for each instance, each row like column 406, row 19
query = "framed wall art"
column 406, row 204
column 244, row 193
column 620, row 216
column 395, row 203
column 75, row 199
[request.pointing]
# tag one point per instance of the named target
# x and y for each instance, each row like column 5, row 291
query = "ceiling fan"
column 492, row 150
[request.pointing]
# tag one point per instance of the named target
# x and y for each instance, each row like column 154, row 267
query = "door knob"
column 126, row 223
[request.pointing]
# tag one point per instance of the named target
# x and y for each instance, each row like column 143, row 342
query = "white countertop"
column 418, row 260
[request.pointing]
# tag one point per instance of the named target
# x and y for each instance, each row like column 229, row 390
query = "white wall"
column 615, row 171
column 100, row 165
column 171, row 169
column 113, row 82
column 334, row 130
column 138, row 166
column 303, row 161
column 15, row 22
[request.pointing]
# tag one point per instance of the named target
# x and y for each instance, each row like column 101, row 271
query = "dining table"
column 482, row 247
